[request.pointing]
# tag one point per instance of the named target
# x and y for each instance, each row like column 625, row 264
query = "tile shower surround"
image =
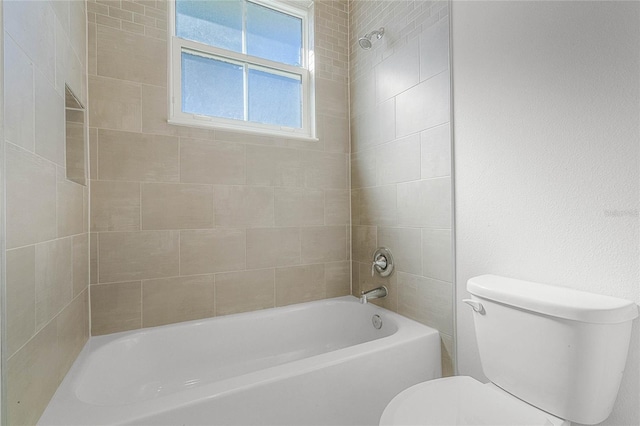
column 190, row 223
column 47, row 240
column 401, row 159
column 154, row 190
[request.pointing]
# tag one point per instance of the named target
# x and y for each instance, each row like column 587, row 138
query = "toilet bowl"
column 553, row 355
column 462, row 400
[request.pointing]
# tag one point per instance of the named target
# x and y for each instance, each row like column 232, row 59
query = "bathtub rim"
column 66, row 400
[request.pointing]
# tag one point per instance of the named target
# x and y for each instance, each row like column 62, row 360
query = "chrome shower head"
column 365, row 41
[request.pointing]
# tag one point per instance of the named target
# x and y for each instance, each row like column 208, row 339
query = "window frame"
column 306, row 72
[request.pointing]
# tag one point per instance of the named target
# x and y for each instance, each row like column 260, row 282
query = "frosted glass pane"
column 216, row 23
column 275, row 99
column 212, row 87
column 273, row 35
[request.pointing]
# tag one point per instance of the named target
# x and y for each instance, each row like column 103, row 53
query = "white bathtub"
column 317, row 363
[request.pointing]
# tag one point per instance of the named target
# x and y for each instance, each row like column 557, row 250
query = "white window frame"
column 299, row 9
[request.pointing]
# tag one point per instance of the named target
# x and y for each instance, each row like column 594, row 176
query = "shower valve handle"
column 380, row 262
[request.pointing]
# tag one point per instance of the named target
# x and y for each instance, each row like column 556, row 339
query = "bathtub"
column 316, row 363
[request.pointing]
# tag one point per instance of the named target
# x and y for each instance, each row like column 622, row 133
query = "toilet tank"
column 556, row 348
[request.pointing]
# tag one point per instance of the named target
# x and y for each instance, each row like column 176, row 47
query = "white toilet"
column 554, row 356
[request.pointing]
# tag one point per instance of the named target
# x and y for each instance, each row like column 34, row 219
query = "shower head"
column 365, row 41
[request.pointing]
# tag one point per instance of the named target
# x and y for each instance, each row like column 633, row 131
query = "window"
column 243, row 65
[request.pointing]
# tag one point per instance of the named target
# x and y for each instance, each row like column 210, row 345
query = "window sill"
column 204, row 124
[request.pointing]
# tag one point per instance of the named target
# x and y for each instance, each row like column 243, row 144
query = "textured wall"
column 46, row 215
column 401, row 158
column 547, row 124
column 189, row 223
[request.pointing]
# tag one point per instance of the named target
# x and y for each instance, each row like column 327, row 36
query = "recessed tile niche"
column 75, row 139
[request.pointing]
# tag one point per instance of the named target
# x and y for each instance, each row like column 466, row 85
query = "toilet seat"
column 462, row 400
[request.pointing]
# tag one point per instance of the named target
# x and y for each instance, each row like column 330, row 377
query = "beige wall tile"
column 243, row 206
column 436, row 254
column 298, row 284
column 208, row 251
column 334, row 133
column 69, row 206
column 31, row 198
column 80, row 253
column 170, row 300
column 447, row 355
column 73, row 331
column 423, row 106
column 32, row 377
column 363, row 168
column 299, row 207
column 69, row 70
column 425, row 203
column 78, row 27
column 332, row 98
column 399, row 161
column 273, row 166
column 19, row 106
column 337, row 204
column 326, row 170
column 355, row 207
column 133, row 57
column 364, row 243
column 323, row 244
column 93, row 258
column 92, row 55
column 405, row 246
column 75, row 149
column 116, row 307
column 355, row 279
column 436, row 152
column 337, row 277
column 434, row 50
column 176, row 206
column 61, row 9
column 106, row 20
column 93, row 153
column 211, row 162
column 38, row 38
column 378, row 205
column 114, row 104
column 21, row 297
column 245, row 291
column 427, row 301
column 137, row 157
column 398, row 72
column 85, row 210
column 376, row 125
column 115, row 206
column 126, row 256
column 54, row 279
column 269, row 247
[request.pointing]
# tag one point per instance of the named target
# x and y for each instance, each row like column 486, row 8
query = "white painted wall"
column 546, row 125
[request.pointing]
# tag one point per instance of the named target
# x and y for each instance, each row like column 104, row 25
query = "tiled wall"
column 189, row 223
column 401, row 158
column 46, row 215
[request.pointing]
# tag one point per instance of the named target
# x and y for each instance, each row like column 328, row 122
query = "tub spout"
column 376, row 293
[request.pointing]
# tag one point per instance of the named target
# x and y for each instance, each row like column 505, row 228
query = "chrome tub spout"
column 376, row 293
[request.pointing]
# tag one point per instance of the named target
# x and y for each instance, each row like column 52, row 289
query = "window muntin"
column 242, row 65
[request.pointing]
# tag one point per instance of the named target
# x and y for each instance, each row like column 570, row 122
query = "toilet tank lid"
column 551, row 300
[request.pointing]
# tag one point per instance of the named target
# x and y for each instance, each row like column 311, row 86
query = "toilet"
column 553, row 356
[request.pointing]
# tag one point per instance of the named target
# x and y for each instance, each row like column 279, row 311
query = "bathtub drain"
column 377, row 321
